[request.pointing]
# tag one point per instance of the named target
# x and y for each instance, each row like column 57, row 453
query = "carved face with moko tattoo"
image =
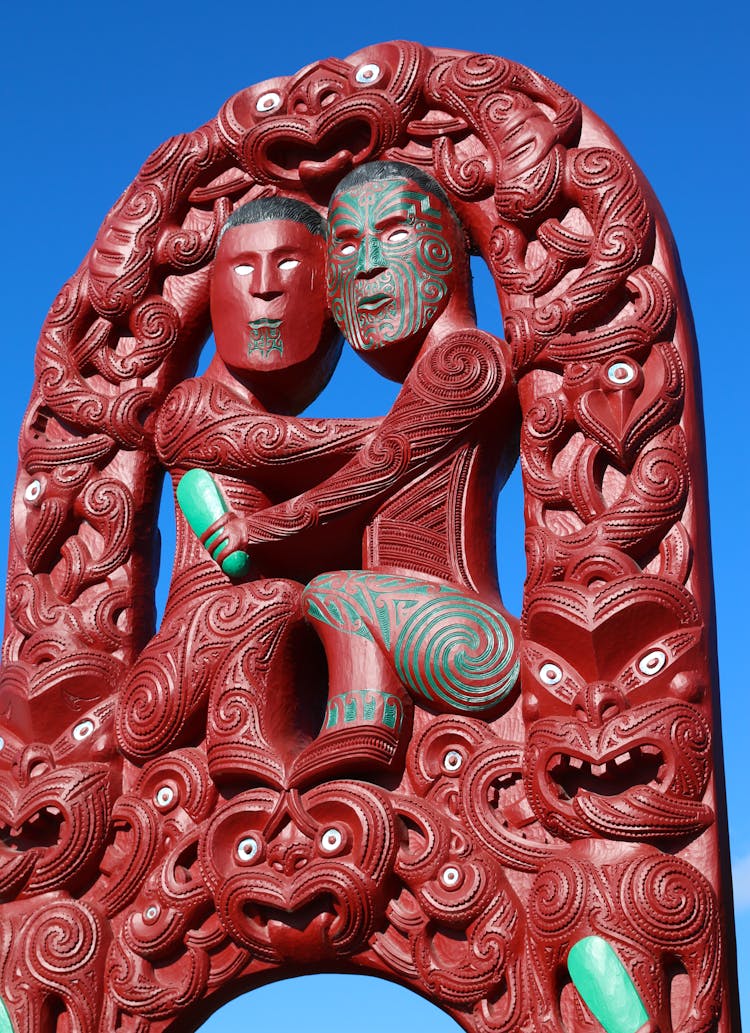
column 393, row 255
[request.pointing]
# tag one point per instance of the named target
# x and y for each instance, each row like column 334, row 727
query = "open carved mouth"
column 613, row 776
column 322, row 910
column 40, row 830
column 335, row 155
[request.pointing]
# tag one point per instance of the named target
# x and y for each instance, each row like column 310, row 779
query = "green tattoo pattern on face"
column 265, row 337
column 390, row 262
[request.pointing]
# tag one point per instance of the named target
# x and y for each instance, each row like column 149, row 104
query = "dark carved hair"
column 276, row 209
column 376, row 170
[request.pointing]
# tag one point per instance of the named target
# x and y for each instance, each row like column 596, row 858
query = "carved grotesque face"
column 391, row 262
column 616, row 745
column 300, row 878
column 268, row 299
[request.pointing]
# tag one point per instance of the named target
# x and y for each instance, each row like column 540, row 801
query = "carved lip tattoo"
column 265, row 337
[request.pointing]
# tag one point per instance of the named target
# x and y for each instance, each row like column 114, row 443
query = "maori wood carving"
column 339, row 749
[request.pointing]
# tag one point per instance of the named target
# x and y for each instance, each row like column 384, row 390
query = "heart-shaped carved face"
column 615, row 744
column 301, row 878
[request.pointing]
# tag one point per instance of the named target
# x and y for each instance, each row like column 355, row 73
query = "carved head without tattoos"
column 396, row 260
column 616, row 746
column 269, row 310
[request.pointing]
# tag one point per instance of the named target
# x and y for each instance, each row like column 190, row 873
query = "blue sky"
column 89, row 90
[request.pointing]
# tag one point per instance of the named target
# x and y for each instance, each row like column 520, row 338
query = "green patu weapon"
column 604, row 984
column 202, row 504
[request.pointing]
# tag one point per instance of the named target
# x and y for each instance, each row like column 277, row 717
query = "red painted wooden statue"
column 339, row 749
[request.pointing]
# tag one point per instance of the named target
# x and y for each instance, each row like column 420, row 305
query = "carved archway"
column 473, row 876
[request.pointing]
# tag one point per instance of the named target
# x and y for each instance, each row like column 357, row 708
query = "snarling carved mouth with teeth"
column 53, row 824
column 642, row 775
column 301, row 877
column 616, row 745
column 310, row 130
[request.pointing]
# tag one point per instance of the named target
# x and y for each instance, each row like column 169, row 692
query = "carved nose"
column 266, row 295
column 598, row 702
column 289, row 859
column 370, row 261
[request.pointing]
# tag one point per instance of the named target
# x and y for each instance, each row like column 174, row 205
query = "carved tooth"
column 575, row 762
column 649, row 750
column 598, row 769
column 623, row 758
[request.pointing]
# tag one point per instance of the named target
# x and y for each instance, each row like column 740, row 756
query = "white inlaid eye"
column 247, row 848
column 452, row 760
column 243, row 270
column 450, row 877
column 83, row 730
column 397, row 236
column 33, row 491
column 151, row 913
column 652, row 662
column 347, row 249
column 620, row 373
column 164, row 796
column 331, row 840
column 289, row 263
column 550, row 673
column 367, row 74
column 2, row 744
column 268, row 102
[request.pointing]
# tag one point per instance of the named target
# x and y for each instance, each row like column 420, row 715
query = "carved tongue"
column 312, row 173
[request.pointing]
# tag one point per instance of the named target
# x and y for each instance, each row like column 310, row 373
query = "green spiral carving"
column 457, row 652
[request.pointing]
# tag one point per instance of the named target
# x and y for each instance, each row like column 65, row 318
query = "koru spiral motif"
column 339, row 749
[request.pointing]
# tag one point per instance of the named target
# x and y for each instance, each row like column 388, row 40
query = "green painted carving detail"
column 265, row 337
column 413, row 254
column 604, row 984
column 6, row 1026
column 364, row 706
column 392, row 714
column 445, row 645
column 459, row 650
column 202, row 503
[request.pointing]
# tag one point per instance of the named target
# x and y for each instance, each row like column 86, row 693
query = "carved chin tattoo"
column 265, row 337
column 389, row 262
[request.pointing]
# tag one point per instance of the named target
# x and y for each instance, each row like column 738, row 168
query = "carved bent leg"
column 448, row 648
column 389, row 638
column 267, row 696
column 230, row 647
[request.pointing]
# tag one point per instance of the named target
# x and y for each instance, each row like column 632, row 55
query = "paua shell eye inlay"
column 652, row 662
column 550, row 674
column 268, row 102
column 367, row 74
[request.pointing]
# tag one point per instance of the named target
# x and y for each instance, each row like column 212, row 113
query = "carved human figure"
column 425, row 612
column 276, row 347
